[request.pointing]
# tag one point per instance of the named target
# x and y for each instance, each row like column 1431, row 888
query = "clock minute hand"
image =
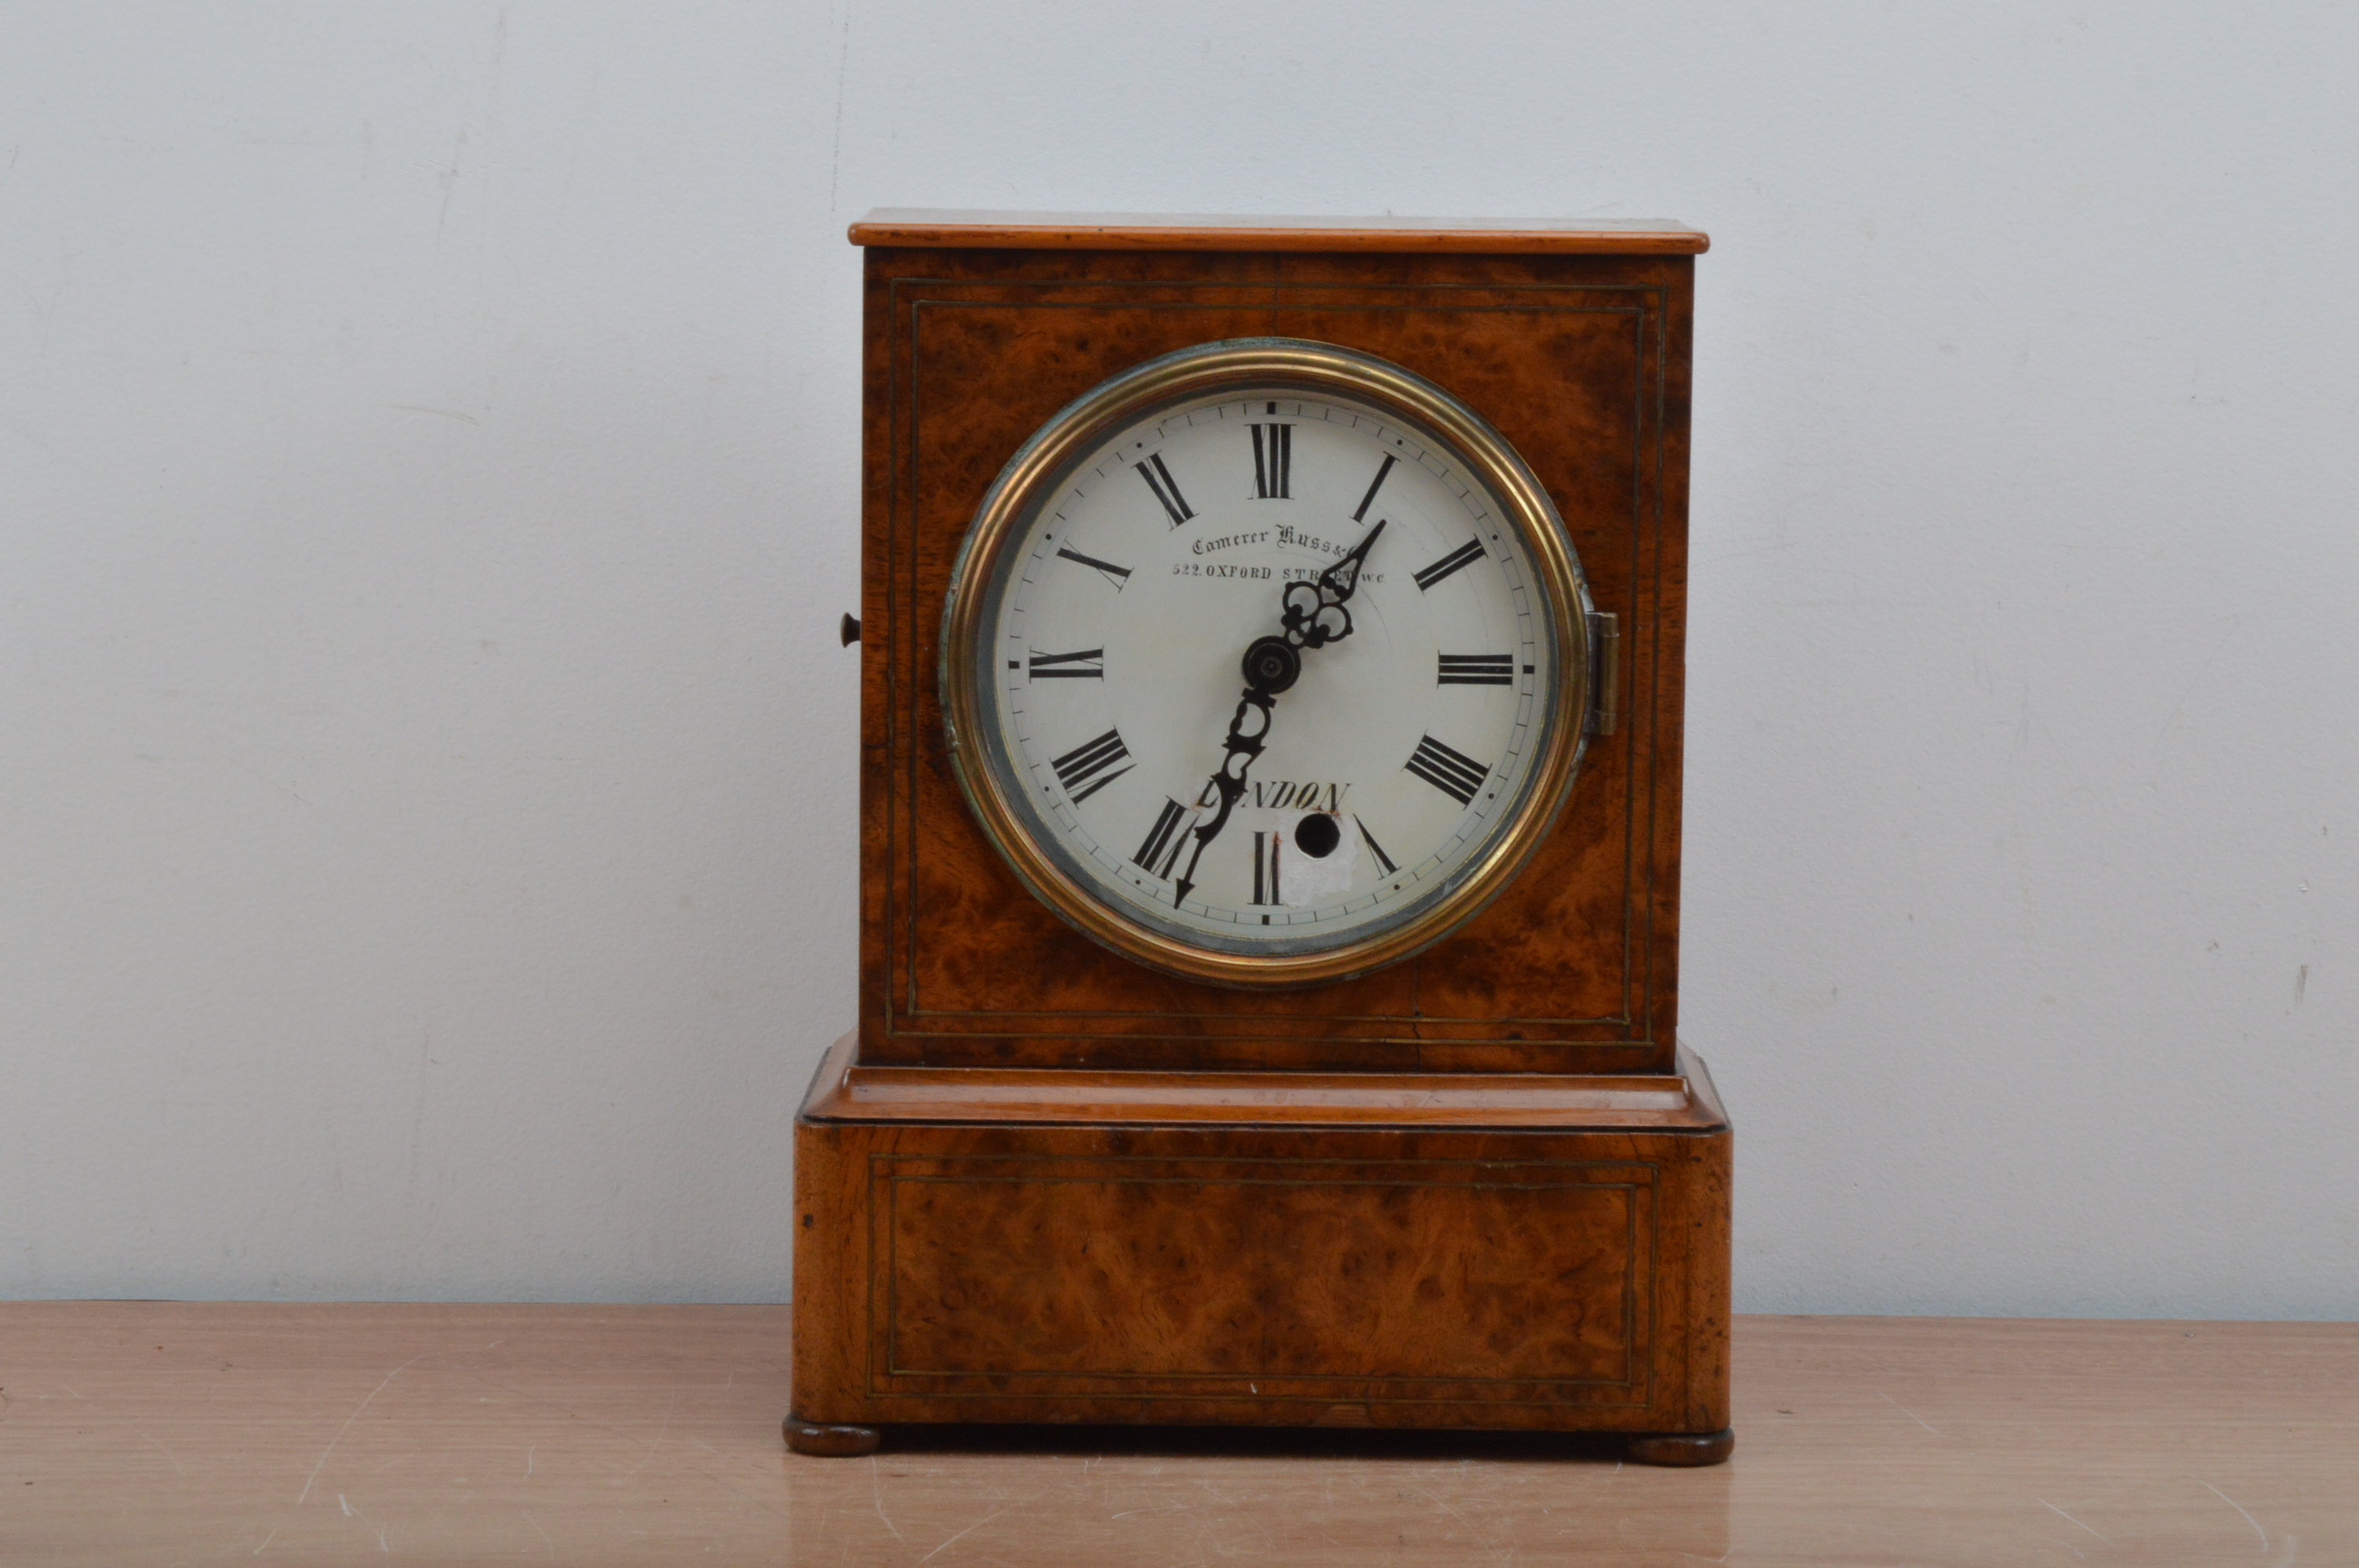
column 1344, row 577
column 1248, row 728
column 1311, row 617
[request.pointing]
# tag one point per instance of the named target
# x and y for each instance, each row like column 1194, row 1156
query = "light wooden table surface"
column 149, row 1432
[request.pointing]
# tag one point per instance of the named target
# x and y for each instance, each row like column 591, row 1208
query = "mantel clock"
column 1271, row 640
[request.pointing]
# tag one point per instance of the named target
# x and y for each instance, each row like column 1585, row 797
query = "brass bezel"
column 1036, row 473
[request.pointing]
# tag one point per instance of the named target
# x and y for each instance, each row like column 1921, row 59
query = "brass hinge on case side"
column 1605, row 671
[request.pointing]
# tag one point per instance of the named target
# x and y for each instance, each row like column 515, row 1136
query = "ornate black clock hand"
column 1266, row 677
column 1313, row 616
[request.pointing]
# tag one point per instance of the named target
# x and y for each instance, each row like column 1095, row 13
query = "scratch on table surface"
column 529, row 1453
column 618, row 1432
column 876, row 1491
column 2051, row 1507
column 1941, row 1520
column 266, row 1540
column 373, row 1393
column 1453, row 1513
column 367, row 1522
column 2240, row 1508
column 544, row 1534
column 733, row 1458
column 658, row 1438
column 175, row 1463
column 749, row 1498
column 970, row 1529
column 1904, row 1409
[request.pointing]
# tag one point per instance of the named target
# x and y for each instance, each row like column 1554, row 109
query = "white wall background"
column 427, row 490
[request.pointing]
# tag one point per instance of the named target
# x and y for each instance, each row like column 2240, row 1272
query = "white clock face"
column 1119, row 619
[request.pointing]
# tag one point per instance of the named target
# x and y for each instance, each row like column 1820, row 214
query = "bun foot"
column 833, row 1441
column 1684, row 1447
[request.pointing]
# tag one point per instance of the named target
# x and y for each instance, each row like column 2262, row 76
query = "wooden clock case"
column 1482, row 1188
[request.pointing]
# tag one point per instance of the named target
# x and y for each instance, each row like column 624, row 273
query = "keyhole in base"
column 1317, row 836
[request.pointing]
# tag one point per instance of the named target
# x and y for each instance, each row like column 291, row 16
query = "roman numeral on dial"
column 1273, row 461
column 1118, row 575
column 1454, row 773
column 1467, row 669
column 1375, row 848
column 1374, row 485
column 1166, row 489
column 1087, row 665
column 1091, row 765
column 1264, row 867
column 1160, row 848
column 1464, row 555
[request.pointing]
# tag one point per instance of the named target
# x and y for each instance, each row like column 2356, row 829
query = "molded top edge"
column 948, row 228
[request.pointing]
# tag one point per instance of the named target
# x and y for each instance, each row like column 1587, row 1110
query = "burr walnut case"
column 1283, row 1039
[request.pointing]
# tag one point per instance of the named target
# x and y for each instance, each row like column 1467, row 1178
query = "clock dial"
column 1273, row 669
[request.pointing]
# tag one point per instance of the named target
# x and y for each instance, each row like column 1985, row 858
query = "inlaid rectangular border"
column 1638, row 1179
column 1649, row 304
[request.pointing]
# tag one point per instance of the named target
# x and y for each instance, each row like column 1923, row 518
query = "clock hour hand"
column 1313, row 612
column 1313, row 616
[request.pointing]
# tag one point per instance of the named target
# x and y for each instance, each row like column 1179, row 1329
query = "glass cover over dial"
column 1263, row 662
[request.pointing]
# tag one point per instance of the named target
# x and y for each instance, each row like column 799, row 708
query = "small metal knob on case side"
column 850, row 629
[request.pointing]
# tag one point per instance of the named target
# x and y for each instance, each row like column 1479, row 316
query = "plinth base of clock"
column 1417, row 1251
